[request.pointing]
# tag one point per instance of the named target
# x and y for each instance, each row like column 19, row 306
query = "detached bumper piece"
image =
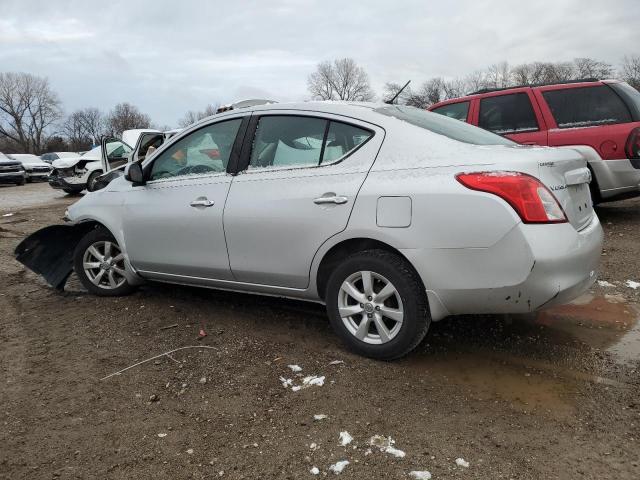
column 49, row 252
column 58, row 179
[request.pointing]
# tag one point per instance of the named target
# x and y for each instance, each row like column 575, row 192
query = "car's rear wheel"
column 100, row 264
column 377, row 304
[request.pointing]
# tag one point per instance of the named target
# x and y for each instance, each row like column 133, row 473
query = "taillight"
column 632, row 148
column 533, row 202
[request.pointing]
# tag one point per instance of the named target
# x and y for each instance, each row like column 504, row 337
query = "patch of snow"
column 420, row 475
column 386, row 445
column 320, row 416
column 203, row 380
column 162, row 435
column 314, row 471
column 296, row 388
column 286, row 382
column 8, row 215
column 461, row 462
column 295, row 368
column 605, row 284
column 632, row 284
column 345, row 438
column 313, row 380
column 190, row 451
column 336, row 362
column 338, row 467
column 313, row 446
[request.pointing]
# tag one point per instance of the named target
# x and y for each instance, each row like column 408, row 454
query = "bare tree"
column 94, row 123
column 631, row 71
column 499, row 75
column 125, row 116
column 590, row 68
column 391, row 89
column 28, row 107
column 73, row 129
column 192, row 116
column 341, row 80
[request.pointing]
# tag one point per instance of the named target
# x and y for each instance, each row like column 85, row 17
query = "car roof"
column 546, row 86
column 356, row 110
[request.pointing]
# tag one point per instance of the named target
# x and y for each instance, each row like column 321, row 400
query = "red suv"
column 599, row 118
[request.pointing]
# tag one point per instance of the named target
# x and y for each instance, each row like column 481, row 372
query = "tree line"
column 32, row 119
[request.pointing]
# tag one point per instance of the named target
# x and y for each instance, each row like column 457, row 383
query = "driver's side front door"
column 173, row 225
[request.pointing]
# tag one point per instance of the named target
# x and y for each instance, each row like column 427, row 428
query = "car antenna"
column 390, row 102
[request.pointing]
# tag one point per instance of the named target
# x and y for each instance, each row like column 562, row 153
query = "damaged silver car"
column 392, row 216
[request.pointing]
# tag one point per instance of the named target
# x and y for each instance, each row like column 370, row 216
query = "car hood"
column 71, row 162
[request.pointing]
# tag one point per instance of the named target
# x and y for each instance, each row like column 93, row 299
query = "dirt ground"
column 547, row 396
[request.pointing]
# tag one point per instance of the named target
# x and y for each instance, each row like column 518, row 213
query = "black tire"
column 20, row 183
column 91, row 238
column 92, row 179
column 408, row 285
column 68, row 191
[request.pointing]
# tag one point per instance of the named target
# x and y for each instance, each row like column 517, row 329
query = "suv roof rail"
column 489, row 90
column 244, row 104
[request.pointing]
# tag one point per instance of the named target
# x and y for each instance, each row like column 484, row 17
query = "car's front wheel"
column 377, row 304
column 91, row 187
column 99, row 264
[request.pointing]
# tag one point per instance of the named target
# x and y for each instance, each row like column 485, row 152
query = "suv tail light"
column 532, row 201
column 632, row 148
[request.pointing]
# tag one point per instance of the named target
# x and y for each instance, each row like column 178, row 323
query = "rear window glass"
column 454, row 129
column 630, row 96
column 586, row 107
column 505, row 114
column 458, row 111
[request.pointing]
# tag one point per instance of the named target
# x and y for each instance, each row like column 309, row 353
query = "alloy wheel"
column 103, row 264
column 370, row 307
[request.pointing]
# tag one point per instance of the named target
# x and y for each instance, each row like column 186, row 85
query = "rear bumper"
column 12, row 177
column 616, row 178
column 532, row 267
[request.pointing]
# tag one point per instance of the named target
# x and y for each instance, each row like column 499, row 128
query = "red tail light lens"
column 632, row 148
column 533, row 202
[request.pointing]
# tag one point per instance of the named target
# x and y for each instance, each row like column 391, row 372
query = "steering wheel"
column 197, row 169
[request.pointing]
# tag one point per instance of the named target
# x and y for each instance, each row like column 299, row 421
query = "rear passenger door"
column 514, row 115
column 299, row 179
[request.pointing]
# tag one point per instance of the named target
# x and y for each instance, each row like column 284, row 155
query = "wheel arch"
column 344, row 248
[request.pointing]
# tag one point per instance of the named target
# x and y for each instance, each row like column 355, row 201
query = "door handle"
column 334, row 199
column 202, row 202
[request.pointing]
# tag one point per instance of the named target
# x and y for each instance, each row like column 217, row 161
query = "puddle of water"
column 606, row 323
column 490, row 377
column 533, row 362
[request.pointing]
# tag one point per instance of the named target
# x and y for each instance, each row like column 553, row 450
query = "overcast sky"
column 169, row 57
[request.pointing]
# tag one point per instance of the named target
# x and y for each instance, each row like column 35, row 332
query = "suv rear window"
column 458, row 110
column 586, row 107
column 504, row 114
column 454, row 129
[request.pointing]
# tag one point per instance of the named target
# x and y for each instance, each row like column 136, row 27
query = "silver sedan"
column 392, row 216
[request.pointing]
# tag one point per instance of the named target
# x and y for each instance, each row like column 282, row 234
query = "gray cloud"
column 168, row 57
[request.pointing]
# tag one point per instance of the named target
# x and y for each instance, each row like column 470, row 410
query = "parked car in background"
column 144, row 142
column 73, row 174
column 34, row 167
column 51, row 156
column 392, row 216
column 600, row 118
column 11, row 171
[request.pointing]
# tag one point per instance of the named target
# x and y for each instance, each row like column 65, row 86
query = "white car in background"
column 73, row 175
column 51, row 156
column 35, row 168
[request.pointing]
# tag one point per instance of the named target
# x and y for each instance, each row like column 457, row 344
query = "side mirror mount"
column 133, row 172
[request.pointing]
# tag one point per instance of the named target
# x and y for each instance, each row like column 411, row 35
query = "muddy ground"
column 553, row 395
